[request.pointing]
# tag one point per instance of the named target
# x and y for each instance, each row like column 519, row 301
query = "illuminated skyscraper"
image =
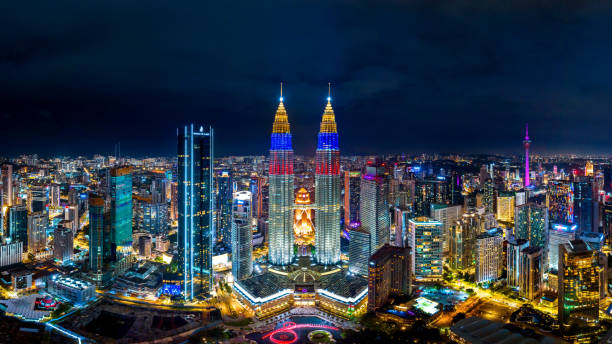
column 99, row 239
column 196, row 206
column 531, row 264
column 462, row 241
column 224, row 207
column 374, row 209
column 513, row 255
column 588, row 169
column 327, row 191
column 527, row 144
column 426, row 239
column 121, row 210
column 531, row 223
column 579, row 274
column 37, row 232
column 242, row 235
column 7, row 185
column 560, row 201
column 559, row 234
column 63, row 242
column 389, row 274
column 583, row 204
column 447, row 215
column 18, row 225
column 352, row 183
column 280, row 232
column 488, row 257
column 488, row 196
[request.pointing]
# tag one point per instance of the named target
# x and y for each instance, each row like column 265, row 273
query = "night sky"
column 407, row 76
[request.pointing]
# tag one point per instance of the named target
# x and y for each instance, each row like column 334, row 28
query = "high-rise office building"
column 100, row 254
column 242, row 235
column 531, row 223
column 144, row 246
column 488, row 196
column 121, row 210
column 401, row 216
column 18, row 225
column 151, row 217
column 513, row 256
column 63, row 248
column 462, row 241
column 447, row 215
column 488, row 257
column 327, row 190
column 54, row 195
column 426, row 238
column 37, row 199
column 559, row 234
column 281, row 192
column 7, row 185
column 11, row 253
column 224, row 208
column 352, row 186
column 505, row 207
column 606, row 220
column 374, row 209
column 428, row 192
column 37, row 232
column 560, row 201
column 389, row 274
column 531, row 263
column 583, row 204
column 579, row 283
column 359, row 250
column 71, row 213
column 195, row 207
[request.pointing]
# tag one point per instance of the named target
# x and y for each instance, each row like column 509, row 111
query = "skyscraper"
column 560, row 202
column 583, row 204
column 121, row 210
column 389, row 274
column 196, row 206
column 531, row 264
column 527, row 144
column 99, row 239
column 373, row 206
column 242, row 235
column 559, row 234
column 352, row 183
column 447, row 215
column 37, row 232
column 7, row 185
column 327, row 190
column 281, row 193
column 426, row 239
column 18, row 224
column 224, row 207
column 515, row 247
column 488, row 196
column 462, row 241
column 531, row 223
column 579, row 273
column 63, row 242
column 488, row 257
column 359, row 250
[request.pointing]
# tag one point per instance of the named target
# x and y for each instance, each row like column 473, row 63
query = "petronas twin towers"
column 327, row 190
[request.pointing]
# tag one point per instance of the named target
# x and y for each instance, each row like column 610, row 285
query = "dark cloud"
column 76, row 77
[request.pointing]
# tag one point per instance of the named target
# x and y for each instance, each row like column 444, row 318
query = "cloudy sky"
column 407, row 76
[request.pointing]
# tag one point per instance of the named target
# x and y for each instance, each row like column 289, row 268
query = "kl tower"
column 527, row 143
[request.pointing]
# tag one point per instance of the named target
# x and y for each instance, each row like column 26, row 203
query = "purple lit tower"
column 527, row 143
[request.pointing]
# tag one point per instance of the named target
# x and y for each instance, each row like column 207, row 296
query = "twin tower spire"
column 281, row 121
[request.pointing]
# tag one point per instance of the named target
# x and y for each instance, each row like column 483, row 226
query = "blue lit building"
column 18, row 224
column 583, row 204
column 224, row 208
column 121, row 210
column 195, row 208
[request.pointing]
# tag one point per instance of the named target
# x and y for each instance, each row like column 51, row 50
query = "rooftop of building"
column 386, row 251
column 264, row 285
column 342, row 284
column 577, row 246
column 477, row 330
column 71, row 282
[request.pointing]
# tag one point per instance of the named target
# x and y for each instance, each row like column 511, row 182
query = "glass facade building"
column 121, row 209
column 196, row 207
column 242, row 235
column 427, row 248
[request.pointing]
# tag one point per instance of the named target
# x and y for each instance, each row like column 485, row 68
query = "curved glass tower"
column 327, row 191
column 281, row 190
